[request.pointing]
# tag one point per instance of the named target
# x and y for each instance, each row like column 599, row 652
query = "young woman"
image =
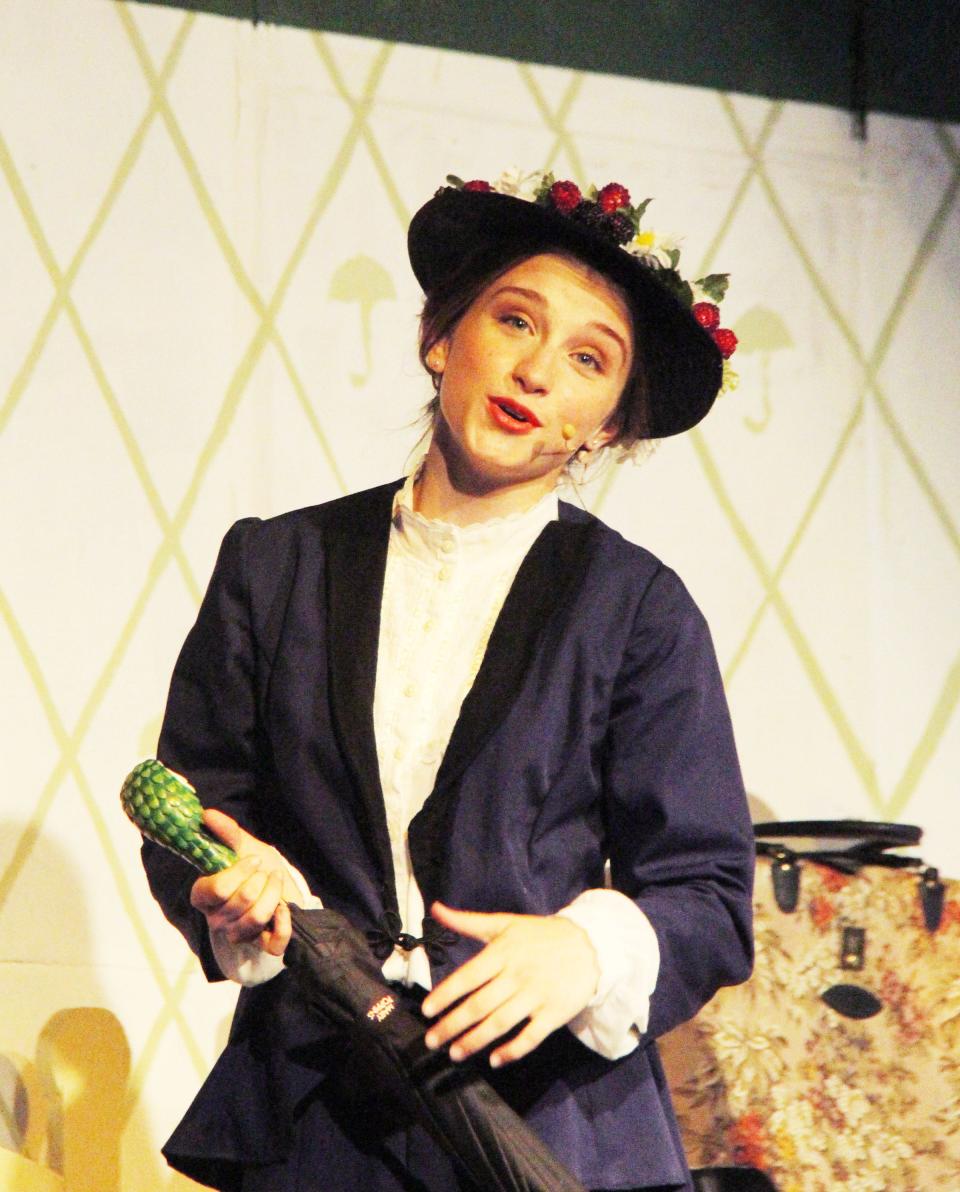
column 444, row 707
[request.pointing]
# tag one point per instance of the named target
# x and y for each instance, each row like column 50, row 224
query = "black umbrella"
column 340, row 978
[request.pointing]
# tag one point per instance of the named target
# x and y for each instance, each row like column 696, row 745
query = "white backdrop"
column 207, row 313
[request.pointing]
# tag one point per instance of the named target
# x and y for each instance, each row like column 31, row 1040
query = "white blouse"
column 443, row 590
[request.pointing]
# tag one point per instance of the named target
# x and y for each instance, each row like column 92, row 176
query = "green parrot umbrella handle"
column 165, row 808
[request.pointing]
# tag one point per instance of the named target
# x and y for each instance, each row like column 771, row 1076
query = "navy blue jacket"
column 596, row 728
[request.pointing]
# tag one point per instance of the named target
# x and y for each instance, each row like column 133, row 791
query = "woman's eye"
column 588, row 360
column 517, row 321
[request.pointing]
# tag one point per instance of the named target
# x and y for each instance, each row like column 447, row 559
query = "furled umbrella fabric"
column 340, row 979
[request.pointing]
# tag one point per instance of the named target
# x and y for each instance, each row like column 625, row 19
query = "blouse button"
column 447, row 547
column 443, row 573
column 410, row 690
column 431, row 753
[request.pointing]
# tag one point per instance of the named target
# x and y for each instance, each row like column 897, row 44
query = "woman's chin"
column 506, row 464
column 486, row 458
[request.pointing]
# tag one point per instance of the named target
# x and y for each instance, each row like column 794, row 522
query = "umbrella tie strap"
column 389, row 934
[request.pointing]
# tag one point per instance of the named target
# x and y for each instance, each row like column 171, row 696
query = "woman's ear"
column 603, row 436
column 437, row 356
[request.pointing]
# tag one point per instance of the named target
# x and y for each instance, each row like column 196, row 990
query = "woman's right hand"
column 247, row 901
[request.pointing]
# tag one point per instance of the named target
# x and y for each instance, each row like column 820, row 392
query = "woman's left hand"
column 541, row 970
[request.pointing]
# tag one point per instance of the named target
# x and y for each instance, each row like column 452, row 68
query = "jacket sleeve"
column 209, row 732
column 681, row 842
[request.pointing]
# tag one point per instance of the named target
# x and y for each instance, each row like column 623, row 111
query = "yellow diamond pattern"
column 385, row 133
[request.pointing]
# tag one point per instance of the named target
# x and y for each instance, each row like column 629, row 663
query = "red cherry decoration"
column 706, row 314
column 565, row 196
column 725, row 340
column 613, row 196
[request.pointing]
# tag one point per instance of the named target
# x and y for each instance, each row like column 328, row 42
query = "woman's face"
column 532, row 372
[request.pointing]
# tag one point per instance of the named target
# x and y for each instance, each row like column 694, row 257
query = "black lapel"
column 535, row 606
column 356, row 535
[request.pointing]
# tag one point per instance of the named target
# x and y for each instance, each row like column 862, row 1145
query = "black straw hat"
column 468, row 228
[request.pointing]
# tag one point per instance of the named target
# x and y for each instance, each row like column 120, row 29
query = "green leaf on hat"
column 543, row 190
column 638, row 211
column 714, row 285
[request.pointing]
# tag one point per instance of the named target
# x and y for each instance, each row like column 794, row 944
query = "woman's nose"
column 532, row 371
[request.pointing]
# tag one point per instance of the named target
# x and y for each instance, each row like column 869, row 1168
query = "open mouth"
column 512, row 415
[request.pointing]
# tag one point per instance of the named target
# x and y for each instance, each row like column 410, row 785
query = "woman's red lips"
column 512, row 416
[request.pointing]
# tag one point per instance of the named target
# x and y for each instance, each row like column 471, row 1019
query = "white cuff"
column 247, row 963
column 628, row 957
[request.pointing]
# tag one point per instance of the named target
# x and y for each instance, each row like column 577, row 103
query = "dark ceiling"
column 900, row 56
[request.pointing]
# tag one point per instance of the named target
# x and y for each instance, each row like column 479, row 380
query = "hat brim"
column 458, row 230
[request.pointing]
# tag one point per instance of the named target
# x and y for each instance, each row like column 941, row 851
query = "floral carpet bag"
column 838, row 1063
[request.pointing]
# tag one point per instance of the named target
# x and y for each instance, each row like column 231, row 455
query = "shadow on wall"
column 69, row 1119
column 83, row 1061
column 63, row 1113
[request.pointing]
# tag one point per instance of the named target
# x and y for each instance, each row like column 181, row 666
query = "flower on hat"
column 659, row 252
column 731, row 378
column 517, row 184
